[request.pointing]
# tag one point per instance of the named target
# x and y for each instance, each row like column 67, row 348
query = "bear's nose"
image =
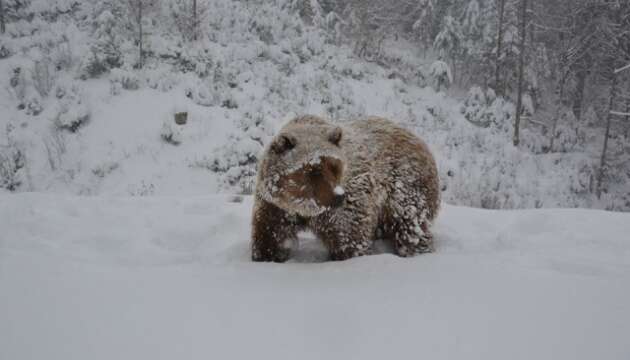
column 338, row 199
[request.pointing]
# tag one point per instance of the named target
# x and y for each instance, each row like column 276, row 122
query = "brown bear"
column 347, row 184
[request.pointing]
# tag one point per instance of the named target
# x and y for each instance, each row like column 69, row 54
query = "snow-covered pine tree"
column 2, row 25
column 448, row 42
column 140, row 11
column 441, row 73
column 423, row 22
column 499, row 48
column 105, row 52
column 188, row 17
column 521, row 70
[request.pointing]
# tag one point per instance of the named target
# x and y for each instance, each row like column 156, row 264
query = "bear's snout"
column 338, row 200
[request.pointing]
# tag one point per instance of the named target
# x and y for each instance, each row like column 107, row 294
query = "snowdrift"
column 170, row 278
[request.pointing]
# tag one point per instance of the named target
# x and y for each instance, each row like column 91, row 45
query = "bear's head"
column 303, row 167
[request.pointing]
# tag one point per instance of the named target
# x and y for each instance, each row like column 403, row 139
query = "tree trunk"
column 497, row 70
column 602, row 164
column 560, row 93
column 194, row 27
column 579, row 94
column 521, row 65
column 140, row 35
column 628, row 117
column 2, row 26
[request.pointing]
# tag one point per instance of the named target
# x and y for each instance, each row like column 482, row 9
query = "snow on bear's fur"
column 345, row 184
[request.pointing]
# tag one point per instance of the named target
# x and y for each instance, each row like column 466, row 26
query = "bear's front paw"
column 278, row 255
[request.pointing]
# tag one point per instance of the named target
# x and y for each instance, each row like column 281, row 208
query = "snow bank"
column 165, row 278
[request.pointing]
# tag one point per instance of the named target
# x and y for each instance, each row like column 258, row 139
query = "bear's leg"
column 347, row 232
column 273, row 232
column 407, row 226
column 411, row 237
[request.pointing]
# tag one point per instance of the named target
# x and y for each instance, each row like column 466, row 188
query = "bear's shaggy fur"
column 345, row 184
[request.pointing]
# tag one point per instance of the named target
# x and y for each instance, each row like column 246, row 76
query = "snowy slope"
column 257, row 64
column 169, row 278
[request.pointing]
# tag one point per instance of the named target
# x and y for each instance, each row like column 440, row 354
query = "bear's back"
column 390, row 154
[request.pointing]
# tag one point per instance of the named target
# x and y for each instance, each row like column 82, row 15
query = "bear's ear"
column 283, row 143
column 334, row 136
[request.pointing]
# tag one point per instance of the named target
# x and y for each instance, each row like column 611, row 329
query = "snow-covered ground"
column 170, row 278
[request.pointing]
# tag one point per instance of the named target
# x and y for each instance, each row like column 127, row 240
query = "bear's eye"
column 283, row 143
column 335, row 136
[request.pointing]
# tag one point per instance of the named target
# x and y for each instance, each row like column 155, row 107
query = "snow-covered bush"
column 161, row 79
column 5, row 49
column 105, row 169
column 171, row 133
column 123, row 79
column 501, row 115
column 12, row 163
column 476, row 106
column 42, row 76
column 198, row 60
column 236, row 162
column 27, row 96
column 583, row 181
column 105, row 52
column 142, row 189
column 71, row 112
column 441, row 74
column 566, row 133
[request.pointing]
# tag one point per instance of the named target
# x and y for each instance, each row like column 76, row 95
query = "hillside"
column 68, row 128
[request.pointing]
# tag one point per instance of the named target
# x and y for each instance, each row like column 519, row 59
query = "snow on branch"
column 623, row 68
column 619, row 113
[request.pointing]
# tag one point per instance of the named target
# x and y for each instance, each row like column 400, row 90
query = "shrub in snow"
column 186, row 59
column 188, row 22
column 476, row 106
column 203, row 93
column 236, row 162
column 161, row 79
column 27, row 96
column 123, row 79
column 42, row 76
column 566, row 133
column 72, row 116
column 441, row 74
column 171, row 132
column 12, row 163
column 62, row 57
column 71, row 111
column 501, row 115
column 4, row 51
column 229, row 102
column 142, row 189
column 104, row 169
column 105, row 52
column 583, row 180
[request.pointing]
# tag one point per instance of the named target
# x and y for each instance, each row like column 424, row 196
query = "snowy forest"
column 525, row 102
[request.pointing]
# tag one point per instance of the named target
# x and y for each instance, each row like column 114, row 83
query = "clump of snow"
column 338, row 190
